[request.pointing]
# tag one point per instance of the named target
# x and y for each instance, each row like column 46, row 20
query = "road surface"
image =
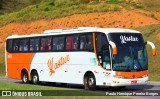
column 151, row 86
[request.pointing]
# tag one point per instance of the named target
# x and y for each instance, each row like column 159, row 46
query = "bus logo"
column 53, row 66
column 125, row 39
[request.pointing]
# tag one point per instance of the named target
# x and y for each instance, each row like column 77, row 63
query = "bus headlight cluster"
column 144, row 76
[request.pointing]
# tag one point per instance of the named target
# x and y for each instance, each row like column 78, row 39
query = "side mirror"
column 114, row 48
column 153, row 47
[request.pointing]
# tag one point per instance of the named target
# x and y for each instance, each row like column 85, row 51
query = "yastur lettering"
column 53, row 66
column 124, row 39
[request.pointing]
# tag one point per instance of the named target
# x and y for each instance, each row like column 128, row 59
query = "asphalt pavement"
column 151, row 87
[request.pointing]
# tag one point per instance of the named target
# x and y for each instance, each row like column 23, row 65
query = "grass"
column 7, row 6
column 151, row 5
column 50, row 9
column 59, row 91
column 2, row 63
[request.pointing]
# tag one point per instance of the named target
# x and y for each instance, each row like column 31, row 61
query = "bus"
column 89, row 56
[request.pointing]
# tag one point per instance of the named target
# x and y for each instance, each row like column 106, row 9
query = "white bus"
column 85, row 55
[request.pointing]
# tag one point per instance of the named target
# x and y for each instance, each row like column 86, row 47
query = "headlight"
column 144, row 76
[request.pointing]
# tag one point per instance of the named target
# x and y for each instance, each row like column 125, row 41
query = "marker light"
column 114, row 48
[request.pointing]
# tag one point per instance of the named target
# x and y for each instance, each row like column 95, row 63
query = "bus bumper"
column 126, row 82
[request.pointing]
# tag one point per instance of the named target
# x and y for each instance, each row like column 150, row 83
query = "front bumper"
column 127, row 82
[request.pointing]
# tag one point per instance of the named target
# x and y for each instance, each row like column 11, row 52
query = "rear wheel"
column 90, row 82
column 24, row 77
column 35, row 78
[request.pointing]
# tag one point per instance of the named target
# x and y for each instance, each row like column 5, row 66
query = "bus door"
column 106, row 57
column 103, row 52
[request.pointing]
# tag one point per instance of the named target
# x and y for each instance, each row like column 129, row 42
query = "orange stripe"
column 132, row 74
column 16, row 62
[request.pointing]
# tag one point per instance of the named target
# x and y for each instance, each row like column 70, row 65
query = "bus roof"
column 77, row 30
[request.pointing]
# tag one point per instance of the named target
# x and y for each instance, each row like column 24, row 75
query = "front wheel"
column 90, row 82
column 35, row 78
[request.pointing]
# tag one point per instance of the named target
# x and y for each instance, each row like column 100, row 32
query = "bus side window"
column 15, row 45
column 58, row 43
column 69, row 42
column 86, row 42
column 55, row 40
column 46, row 44
column 72, row 42
column 89, row 42
column 9, row 45
column 83, row 42
column 75, row 42
column 34, row 44
column 31, row 44
column 23, row 45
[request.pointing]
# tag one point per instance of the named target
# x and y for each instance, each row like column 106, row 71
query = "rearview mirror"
column 153, row 47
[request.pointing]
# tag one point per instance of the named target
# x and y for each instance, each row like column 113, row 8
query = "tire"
column 89, row 82
column 35, row 78
column 24, row 77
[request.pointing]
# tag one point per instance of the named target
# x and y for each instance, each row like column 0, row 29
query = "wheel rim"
column 90, row 81
column 25, row 78
column 35, row 78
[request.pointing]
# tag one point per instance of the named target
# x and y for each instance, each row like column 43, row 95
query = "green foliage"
column 84, row 1
column 2, row 64
column 7, row 6
column 59, row 8
column 146, row 4
column 151, row 4
column 114, row 1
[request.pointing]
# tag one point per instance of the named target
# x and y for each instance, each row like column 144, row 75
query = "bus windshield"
column 130, row 58
column 132, row 54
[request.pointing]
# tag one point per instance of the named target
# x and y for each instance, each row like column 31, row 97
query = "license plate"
column 133, row 81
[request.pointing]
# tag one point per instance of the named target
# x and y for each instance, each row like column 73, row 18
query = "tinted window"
column 86, row 42
column 46, row 44
column 58, row 43
column 23, row 46
column 101, row 40
column 9, row 45
column 15, row 45
column 72, row 42
column 34, row 44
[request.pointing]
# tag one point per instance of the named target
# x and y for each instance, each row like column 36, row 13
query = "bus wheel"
column 24, row 77
column 35, row 78
column 89, row 82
